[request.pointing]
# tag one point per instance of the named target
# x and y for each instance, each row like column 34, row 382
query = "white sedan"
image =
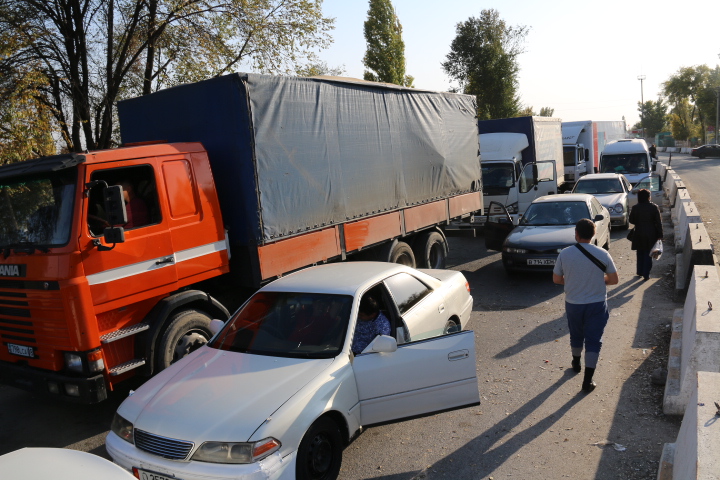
column 278, row 393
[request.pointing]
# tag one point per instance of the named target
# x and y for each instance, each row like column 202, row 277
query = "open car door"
column 498, row 225
column 417, row 378
column 653, row 183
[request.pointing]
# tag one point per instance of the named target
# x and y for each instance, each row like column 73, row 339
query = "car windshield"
column 554, row 213
column 604, row 185
column 624, row 163
column 37, row 211
column 288, row 324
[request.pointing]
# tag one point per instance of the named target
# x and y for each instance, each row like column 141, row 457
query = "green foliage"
column 547, row 112
column 681, row 122
column 654, row 117
column 686, row 91
column 483, row 59
column 319, row 68
column 385, row 54
column 93, row 53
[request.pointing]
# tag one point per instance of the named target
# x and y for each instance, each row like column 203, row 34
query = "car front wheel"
column 320, row 453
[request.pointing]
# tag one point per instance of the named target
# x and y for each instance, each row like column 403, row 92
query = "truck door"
column 145, row 261
column 497, row 227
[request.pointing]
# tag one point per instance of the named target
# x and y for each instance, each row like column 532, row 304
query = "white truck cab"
column 629, row 157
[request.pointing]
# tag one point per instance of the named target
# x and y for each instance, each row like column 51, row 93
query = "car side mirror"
column 382, row 344
column 599, row 217
column 216, row 325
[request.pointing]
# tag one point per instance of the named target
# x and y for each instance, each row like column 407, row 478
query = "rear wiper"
column 22, row 247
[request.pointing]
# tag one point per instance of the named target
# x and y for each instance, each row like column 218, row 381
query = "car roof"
column 594, row 176
column 567, row 197
column 345, row 278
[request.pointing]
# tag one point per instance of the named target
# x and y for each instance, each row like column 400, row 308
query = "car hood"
column 609, row 200
column 217, row 395
column 542, row 236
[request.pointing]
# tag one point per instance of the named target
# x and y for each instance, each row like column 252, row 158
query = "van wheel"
column 402, row 254
column 186, row 332
column 431, row 251
column 320, row 452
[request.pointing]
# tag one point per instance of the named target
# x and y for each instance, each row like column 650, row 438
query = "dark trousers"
column 644, row 262
column 586, row 322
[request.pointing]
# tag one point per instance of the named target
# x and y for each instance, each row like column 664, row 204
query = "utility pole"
column 642, row 107
column 717, row 113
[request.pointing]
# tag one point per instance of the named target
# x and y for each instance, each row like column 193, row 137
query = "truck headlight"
column 122, row 428
column 84, row 362
column 512, row 208
column 241, row 452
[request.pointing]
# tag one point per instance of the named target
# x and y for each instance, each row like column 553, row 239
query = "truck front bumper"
column 65, row 387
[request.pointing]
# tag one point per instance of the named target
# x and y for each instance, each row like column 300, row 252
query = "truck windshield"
column 498, row 178
column 569, row 156
column 288, row 324
column 625, row 163
column 37, row 211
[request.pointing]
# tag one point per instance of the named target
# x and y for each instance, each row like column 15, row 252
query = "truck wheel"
column 402, row 254
column 187, row 331
column 319, row 455
column 431, row 250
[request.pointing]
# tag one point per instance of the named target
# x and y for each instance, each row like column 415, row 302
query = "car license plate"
column 147, row 475
column 541, row 261
column 22, row 350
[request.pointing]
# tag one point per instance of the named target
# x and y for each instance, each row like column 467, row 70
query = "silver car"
column 612, row 190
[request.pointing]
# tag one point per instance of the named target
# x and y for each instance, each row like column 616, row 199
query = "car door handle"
column 165, row 260
column 458, row 355
column 441, row 308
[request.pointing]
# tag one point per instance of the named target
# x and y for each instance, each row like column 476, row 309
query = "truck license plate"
column 22, row 350
column 146, row 475
column 541, row 261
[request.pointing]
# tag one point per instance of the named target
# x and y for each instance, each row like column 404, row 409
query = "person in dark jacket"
column 645, row 216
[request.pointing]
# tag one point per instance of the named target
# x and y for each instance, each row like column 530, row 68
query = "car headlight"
column 241, row 452
column 514, row 250
column 122, row 428
column 619, row 208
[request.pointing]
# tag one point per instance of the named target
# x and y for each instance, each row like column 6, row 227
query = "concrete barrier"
column 697, row 250
column 693, row 456
column 682, row 196
column 695, row 341
column 660, row 168
column 687, row 213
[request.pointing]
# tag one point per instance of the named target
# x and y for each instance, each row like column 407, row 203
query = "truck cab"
column 506, row 180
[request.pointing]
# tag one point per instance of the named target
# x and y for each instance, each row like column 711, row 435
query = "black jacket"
column 648, row 225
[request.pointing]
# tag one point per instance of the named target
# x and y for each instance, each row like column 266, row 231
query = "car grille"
column 162, row 446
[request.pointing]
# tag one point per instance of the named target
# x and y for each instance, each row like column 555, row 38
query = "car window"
column 288, row 324
column 649, row 183
column 554, row 213
column 406, row 290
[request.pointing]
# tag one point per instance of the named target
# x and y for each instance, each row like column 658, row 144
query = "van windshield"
column 625, row 163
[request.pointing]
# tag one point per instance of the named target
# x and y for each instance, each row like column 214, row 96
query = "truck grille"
column 162, row 446
column 29, row 309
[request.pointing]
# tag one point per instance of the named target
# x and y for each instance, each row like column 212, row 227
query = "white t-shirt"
column 584, row 281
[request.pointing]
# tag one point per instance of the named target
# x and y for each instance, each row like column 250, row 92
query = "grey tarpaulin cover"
column 291, row 155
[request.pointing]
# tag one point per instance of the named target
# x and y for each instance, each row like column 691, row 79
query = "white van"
column 629, row 157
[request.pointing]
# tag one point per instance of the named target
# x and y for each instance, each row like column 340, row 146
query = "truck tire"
column 187, row 331
column 402, row 253
column 431, row 250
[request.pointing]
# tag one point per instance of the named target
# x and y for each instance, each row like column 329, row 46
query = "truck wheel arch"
column 146, row 344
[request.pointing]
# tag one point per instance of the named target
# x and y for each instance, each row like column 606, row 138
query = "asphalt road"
column 533, row 421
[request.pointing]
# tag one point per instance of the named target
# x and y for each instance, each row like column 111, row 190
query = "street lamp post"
column 642, row 106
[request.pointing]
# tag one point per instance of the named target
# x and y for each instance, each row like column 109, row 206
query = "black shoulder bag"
column 590, row 256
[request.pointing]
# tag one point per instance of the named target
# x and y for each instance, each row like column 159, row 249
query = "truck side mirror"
column 115, row 205
column 114, row 235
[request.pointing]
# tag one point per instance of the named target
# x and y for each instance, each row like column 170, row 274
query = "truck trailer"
column 115, row 261
column 583, row 141
column 519, row 158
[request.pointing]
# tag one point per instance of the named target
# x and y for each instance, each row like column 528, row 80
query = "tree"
column 319, row 68
column 654, row 117
column 385, row 54
column 483, row 59
column 93, row 53
column 547, row 112
column 684, row 90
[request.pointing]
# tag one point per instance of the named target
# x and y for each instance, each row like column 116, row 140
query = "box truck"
column 114, row 262
column 519, row 158
column 582, row 143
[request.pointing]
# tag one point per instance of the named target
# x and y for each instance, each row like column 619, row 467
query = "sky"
column 581, row 58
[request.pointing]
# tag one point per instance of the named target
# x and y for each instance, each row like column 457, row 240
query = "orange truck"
column 114, row 262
